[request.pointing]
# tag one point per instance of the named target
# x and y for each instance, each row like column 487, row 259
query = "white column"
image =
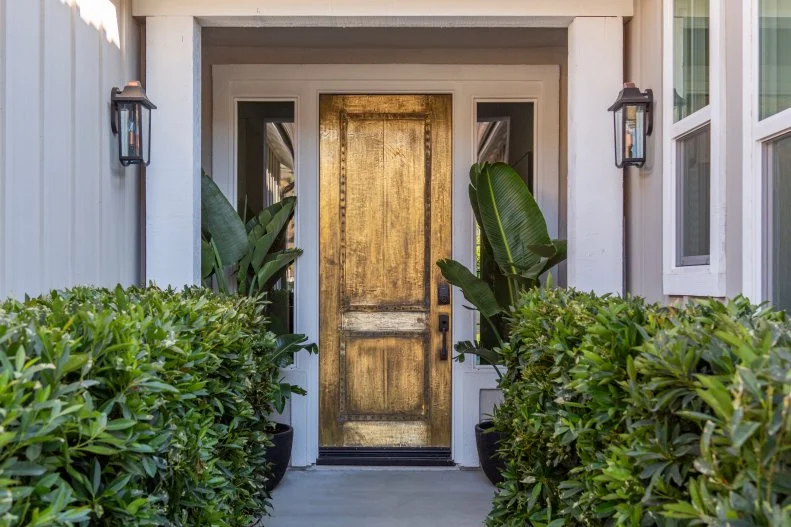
column 173, row 83
column 595, row 185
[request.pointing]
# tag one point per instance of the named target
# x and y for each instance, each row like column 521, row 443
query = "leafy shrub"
column 136, row 407
column 618, row 412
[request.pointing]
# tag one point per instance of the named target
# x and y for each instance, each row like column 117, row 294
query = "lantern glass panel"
column 619, row 135
column 145, row 135
column 130, row 137
column 634, row 137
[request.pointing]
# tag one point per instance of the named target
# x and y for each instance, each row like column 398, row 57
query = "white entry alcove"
column 468, row 85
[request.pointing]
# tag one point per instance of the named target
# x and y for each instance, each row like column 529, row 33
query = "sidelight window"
column 265, row 175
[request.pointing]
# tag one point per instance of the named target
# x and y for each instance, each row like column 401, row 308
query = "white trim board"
column 467, row 84
column 360, row 9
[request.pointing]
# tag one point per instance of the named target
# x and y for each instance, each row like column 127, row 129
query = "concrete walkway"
column 367, row 497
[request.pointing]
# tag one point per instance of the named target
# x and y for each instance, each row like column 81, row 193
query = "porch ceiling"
column 384, row 13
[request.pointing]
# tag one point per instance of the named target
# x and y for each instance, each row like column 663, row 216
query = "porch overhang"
column 408, row 13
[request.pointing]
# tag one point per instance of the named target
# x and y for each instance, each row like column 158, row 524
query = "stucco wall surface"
column 69, row 213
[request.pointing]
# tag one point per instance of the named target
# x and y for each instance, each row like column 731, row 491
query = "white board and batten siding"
column 69, row 212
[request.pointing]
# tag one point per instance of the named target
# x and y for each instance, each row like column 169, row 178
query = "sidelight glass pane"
column 265, row 175
column 779, row 168
column 775, row 58
column 694, row 197
column 690, row 56
column 504, row 134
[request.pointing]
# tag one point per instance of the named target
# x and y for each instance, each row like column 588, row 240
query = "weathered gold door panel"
column 385, row 219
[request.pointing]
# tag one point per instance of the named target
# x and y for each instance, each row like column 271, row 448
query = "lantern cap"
column 631, row 94
column 133, row 92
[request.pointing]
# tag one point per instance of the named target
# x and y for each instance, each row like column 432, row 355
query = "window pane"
column 775, row 61
column 694, row 197
column 780, row 216
column 690, row 56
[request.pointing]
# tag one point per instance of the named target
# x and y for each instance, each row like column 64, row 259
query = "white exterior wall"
column 645, row 221
column 68, row 210
column 173, row 181
column 595, row 185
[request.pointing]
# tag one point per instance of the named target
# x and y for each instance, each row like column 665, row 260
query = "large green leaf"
column 265, row 233
column 475, row 290
column 288, row 345
column 221, row 221
column 271, row 267
column 511, row 218
column 206, row 259
column 488, row 270
column 561, row 253
column 551, row 255
column 219, row 267
column 491, row 357
column 273, row 228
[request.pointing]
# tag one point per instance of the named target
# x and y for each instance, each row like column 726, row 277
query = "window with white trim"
column 767, row 185
column 694, row 262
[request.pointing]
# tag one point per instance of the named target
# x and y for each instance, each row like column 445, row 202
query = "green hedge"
column 136, row 407
column 618, row 412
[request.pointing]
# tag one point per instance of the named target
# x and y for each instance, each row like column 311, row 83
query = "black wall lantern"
column 634, row 122
column 131, row 122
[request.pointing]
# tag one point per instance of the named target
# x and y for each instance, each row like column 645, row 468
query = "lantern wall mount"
column 131, row 122
column 633, row 120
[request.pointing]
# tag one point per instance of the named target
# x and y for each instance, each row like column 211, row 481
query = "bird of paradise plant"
column 515, row 252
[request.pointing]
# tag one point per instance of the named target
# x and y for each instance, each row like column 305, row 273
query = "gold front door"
column 385, row 185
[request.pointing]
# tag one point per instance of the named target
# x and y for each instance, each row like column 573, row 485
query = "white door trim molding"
column 468, row 84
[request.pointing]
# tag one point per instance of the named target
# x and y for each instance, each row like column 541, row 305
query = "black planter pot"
column 487, row 439
column 279, row 454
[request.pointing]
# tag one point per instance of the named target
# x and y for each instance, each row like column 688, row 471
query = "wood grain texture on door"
column 385, row 219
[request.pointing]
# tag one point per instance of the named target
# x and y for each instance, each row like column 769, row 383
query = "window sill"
column 699, row 280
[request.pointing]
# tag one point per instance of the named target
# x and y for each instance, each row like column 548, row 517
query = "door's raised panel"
column 383, row 378
column 398, row 435
column 362, row 196
column 404, row 214
column 383, row 188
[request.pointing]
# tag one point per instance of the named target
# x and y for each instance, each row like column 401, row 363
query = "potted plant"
column 279, row 453
column 515, row 251
column 255, row 256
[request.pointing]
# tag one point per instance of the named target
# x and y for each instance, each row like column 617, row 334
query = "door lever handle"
column 444, row 326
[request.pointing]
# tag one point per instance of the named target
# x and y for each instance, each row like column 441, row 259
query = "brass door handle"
column 444, row 326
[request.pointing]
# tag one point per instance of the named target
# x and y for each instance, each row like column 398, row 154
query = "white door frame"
column 468, row 85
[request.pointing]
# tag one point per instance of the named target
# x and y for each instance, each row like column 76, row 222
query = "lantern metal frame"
column 632, row 96
column 132, row 94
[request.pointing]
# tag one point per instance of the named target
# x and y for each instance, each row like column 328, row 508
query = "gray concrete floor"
column 349, row 497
